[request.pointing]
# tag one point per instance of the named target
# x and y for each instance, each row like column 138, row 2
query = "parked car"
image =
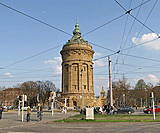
column 150, row 109
column 128, row 110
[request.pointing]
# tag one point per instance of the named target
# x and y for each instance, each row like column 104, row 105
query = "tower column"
column 63, row 69
column 80, row 78
column 69, row 76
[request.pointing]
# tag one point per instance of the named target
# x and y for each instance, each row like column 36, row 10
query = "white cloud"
column 99, row 62
column 151, row 78
column 101, row 77
column 8, row 74
column 58, row 69
column 97, row 54
column 148, row 37
column 56, row 64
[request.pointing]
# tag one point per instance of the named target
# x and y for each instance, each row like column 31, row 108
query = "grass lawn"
column 113, row 118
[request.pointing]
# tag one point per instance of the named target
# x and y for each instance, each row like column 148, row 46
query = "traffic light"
column 20, row 98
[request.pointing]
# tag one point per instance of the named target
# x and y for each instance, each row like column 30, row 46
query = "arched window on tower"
column 84, row 68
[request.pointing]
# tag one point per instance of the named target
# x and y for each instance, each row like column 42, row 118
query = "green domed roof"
column 77, row 38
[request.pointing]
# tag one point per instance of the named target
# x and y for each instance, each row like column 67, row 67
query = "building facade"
column 77, row 71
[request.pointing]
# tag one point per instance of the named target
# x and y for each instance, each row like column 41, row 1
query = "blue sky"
column 22, row 37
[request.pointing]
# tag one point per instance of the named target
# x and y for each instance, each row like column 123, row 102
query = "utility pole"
column 52, row 105
column 110, row 82
column 146, row 96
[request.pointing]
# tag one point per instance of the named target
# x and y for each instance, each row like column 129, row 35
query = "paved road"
column 11, row 122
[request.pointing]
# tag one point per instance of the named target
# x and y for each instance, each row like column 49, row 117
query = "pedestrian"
column 112, row 110
column 40, row 111
column 63, row 110
column 1, row 110
column 28, row 114
column 136, row 107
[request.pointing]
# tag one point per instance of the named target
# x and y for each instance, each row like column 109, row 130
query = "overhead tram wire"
column 129, row 33
column 42, row 70
column 131, row 28
column 102, row 47
column 30, row 77
column 111, row 20
column 128, row 12
column 126, row 54
column 49, row 26
column 31, row 57
column 105, row 56
column 140, row 44
column 140, row 30
column 35, row 19
column 125, row 26
column 104, row 24
column 122, row 39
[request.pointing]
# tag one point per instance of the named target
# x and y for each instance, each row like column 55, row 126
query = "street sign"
column 37, row 97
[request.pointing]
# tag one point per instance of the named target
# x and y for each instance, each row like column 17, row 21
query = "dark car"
column 128, row 110
column 150, row 109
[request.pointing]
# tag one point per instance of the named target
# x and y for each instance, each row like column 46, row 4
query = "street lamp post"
column 82, row 92
column 146, row 96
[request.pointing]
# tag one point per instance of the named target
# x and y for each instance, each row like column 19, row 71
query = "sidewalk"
column 10, row 120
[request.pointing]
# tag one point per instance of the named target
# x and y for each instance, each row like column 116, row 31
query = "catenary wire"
column 112, row 20
column 122, row 38
column 128, row 12
column 143, row 24
column 35, row 19
column 31, row 57
column 128, row 34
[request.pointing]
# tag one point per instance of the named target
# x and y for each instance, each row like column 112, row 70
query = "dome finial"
column 76, row 21
column 77, row 30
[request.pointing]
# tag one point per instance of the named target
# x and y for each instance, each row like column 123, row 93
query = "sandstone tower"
column 77, row 56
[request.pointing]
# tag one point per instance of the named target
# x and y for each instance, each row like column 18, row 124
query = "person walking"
column 1, row 110
column 28, row 114
column 40, row 111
